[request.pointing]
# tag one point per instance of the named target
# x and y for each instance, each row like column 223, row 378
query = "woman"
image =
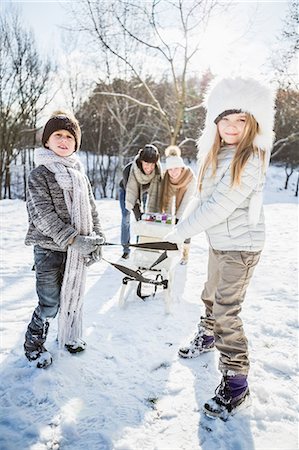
column 178, row 188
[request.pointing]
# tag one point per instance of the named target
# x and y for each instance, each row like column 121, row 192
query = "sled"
column 153, row 264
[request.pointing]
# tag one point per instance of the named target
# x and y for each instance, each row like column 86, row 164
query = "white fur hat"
column 239, row 95
column 173, row 157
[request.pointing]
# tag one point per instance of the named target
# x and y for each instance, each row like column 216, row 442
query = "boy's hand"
column 85, row 245
column 102, row 236
column 95, row 256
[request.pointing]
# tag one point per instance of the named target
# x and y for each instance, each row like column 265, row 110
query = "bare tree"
column 285, row 58
column 72, row 78
column 284, row 62
column 112, row 128
column 23, row 80
column 158, row 36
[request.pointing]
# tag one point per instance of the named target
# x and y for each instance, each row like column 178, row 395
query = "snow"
column 129, row 390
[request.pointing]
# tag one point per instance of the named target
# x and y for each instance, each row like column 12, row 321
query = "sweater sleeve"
column 42, row 212
column 132, row 192
column 223, row 201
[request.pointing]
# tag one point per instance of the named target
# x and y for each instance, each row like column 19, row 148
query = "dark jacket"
column 126, row 173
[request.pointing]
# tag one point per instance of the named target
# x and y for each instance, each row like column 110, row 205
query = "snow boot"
column 35, row 338
column 201, row 343
column 40, row 356
column 76, row 346
column 125, row 255
column 230, row 396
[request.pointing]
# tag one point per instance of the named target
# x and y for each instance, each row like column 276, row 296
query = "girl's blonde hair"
column 244, row 149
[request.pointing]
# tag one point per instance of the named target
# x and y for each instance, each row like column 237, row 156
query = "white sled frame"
column 143, row 259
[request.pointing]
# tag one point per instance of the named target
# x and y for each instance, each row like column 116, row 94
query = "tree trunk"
column 23, row 158
column 7, row 187
column 288, row 174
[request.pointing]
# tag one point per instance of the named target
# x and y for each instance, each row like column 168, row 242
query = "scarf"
column 175, row 189
column 139, row 182
column 69, row 174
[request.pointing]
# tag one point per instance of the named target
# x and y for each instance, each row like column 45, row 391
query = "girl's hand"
column 174, row 237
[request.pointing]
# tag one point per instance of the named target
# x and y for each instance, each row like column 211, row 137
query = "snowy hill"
column 129, row 390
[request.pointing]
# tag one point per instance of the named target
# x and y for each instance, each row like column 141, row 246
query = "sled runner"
column 153, row 258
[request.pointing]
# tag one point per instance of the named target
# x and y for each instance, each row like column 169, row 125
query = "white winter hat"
column 173, row 157
column 246, row 95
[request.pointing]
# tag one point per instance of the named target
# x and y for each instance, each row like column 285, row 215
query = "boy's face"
column 61, row 142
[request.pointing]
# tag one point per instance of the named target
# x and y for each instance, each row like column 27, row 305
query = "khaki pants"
column 229, row 273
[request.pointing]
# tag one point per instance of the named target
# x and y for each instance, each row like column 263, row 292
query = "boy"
column 65, row 230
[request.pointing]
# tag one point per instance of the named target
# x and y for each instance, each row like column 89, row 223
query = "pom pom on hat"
column 61, row 120
column 231, row 95
column 173, row 157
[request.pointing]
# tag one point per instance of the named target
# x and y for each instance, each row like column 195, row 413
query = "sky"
column 129, row 390
column 239, row 42
column 232, row 30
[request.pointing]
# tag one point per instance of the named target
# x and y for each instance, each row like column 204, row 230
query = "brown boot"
column 185, row 256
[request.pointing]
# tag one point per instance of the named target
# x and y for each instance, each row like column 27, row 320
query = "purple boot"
column 201, row 343
column 231, row 395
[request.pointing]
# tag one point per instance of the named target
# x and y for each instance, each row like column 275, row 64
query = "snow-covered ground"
column 129, row 390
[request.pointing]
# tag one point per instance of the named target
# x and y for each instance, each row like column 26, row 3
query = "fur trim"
column 149, row 153
column 247, row 95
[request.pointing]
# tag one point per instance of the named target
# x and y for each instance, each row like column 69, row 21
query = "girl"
column 178, row 188
column 234, row 152
column 65, row 230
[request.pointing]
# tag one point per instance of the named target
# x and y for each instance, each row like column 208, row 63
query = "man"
column 139, row 189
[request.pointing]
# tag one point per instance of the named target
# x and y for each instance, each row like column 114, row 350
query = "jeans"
column 125, row 221
column 49, row 270
column 126, row 217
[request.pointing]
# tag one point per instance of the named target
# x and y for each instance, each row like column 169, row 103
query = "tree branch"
column 282, row 143
column 132, row 99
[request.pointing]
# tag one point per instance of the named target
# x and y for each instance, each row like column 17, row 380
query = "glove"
column 85, row 245
column 94, row 257
column 174, row 237
column 137, row 212
column 102, row 236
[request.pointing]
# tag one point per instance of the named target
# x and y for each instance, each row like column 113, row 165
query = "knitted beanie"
column 173, row 157
column 62, row 121
column 234, row 95
column 149, row 153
